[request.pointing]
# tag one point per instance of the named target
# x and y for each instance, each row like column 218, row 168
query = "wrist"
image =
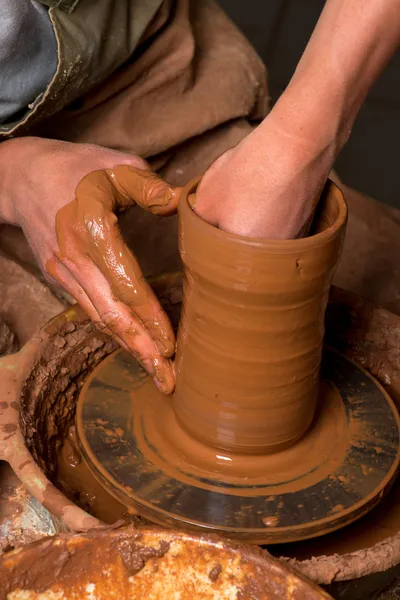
column 9, row 159
column 314, row 112
column 16, row 160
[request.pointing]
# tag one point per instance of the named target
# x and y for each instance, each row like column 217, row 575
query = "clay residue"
column 215, row 572
column 60, row 562
column 312, row 459
column 331, row 568
column 72, row 346
column 250, row 338
column 126, row 563
column 383, row 522
column 48, row 412
column 79, row 485
column 369, row 335
column 134, row 556
column 365, row 333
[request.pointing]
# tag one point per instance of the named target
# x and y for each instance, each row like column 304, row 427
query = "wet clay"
column 77, row 482
column 70, row 347
column 135, row 446
column 380, row 524
column 370, row 335
column 250, row 337
column 321, row 450
column 92, row 249
column 364, row 332
column 48, row 410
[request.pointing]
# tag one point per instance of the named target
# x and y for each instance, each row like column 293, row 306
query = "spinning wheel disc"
column 340, row 469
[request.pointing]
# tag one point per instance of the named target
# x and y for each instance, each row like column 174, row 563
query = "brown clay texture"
column 125, row 563
column 250, row 337
column 369, row 335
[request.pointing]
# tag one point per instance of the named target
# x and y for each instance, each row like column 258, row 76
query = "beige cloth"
column 192, row 72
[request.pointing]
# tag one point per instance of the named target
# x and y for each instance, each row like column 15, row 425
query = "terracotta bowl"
column 40, row 385
column 125, row 563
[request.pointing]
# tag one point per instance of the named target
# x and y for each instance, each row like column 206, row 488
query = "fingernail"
column 162, row 199
column 166, row 387
column 162, row 387
column 163, row 376
column 165, row 346
column 192, row 200
column 162, row 335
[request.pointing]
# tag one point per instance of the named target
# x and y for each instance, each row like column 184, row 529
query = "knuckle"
column 112, row 320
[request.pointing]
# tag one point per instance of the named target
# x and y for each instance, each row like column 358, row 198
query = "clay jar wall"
column 252, row 326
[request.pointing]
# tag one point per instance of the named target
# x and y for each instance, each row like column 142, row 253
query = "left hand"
column 64, row 196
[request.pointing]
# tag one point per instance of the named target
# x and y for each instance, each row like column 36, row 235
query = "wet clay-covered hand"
column 65, row 196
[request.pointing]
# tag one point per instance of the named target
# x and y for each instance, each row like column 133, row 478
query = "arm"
column 267, row 185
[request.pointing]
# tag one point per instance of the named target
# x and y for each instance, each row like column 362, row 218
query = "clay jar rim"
column 272, row 246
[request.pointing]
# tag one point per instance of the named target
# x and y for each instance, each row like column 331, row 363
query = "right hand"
column 68, row 217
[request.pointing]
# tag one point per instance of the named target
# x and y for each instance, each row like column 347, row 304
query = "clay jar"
column 250, row 336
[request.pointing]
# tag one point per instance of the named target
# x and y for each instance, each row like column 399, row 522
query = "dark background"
column 279, row 30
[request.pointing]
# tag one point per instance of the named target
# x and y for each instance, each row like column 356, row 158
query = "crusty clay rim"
column 191, row 547
column 322, row 569
column 14, row 372
column 274, row 246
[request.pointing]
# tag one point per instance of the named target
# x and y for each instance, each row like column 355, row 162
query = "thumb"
column 146, row 188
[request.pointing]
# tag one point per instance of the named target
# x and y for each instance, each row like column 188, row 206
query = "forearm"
column 18, row 157
column 7, row 160
column 350, row 46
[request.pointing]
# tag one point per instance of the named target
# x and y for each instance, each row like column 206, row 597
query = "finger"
column 62, row 277
column 122, row 323
column 88, row 227
column 128, row 285
column 146, row 188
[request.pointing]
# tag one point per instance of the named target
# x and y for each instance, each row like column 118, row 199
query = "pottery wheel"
column 340, row 469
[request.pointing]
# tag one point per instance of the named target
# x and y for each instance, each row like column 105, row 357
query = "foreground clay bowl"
column 125, row 563
column 40, row 385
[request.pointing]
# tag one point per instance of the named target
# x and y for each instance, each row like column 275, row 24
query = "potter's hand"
column 268, row 185
column 265, row 187
column 64, row 197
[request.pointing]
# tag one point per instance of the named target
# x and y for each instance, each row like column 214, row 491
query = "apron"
column 144, row 76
